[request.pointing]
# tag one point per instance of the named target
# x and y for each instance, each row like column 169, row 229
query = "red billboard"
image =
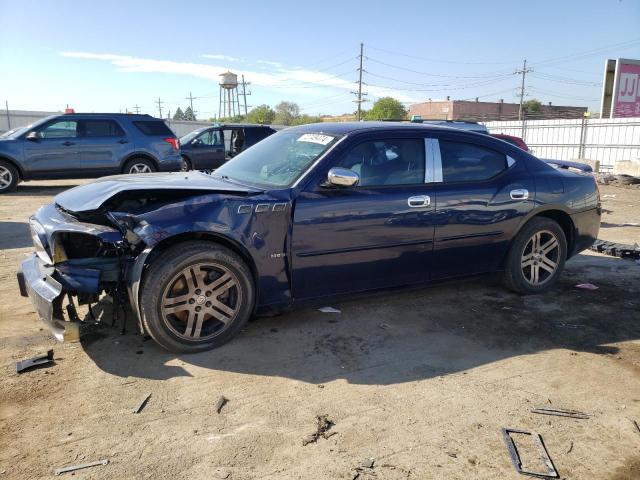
column 626, row 89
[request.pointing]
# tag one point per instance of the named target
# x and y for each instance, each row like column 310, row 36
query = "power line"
column 437, row 60
column 487, row 75
column 359, row 93
column 191, row 98
column 159, row 104
column 137, row 109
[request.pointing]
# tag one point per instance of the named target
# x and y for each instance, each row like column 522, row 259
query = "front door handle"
column 519, row 194
column 419, row 201
column 122, row 141
column 68, row 143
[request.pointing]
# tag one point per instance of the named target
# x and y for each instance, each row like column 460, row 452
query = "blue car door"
column 376, row 234
column 53, row 151
column 102, row 145
column 481, row 195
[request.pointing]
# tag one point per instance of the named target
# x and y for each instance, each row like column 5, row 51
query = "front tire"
column 140, row 165
column 9, row 177
column 186, row 164
column 196, row 296
column 536, row 258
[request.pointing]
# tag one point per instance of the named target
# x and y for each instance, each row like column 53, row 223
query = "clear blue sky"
column 110, row 56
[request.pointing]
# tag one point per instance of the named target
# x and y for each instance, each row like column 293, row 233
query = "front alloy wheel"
column 196, row 296
column 139, row 168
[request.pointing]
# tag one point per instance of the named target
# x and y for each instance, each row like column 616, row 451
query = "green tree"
column 386, row 108
column 261, row 114
column 532, row 106
column 286, row 112
column 179, row 115
column 304, row 119
column 189, row 115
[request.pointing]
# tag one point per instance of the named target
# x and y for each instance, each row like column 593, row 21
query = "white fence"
column 20, row 118
column 182, row 127
column 605, row 140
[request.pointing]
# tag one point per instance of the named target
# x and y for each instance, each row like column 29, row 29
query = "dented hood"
column 93, row 195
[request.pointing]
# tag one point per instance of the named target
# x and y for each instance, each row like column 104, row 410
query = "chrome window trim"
column 317, row 161
column 428, row 159
column 434, row 161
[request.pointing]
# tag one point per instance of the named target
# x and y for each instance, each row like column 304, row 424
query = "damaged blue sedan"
column 308, row 213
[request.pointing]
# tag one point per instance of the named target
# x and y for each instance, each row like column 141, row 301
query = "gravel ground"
column 421, row 381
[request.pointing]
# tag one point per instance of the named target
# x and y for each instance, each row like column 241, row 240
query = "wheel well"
column 213, row 238
column 564, row 220
column 140, row 155
column 15, row 164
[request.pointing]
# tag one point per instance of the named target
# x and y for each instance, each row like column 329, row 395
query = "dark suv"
column 87, row 145
column 210, row 147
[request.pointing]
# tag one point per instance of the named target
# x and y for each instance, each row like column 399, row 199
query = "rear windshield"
column 154, row 127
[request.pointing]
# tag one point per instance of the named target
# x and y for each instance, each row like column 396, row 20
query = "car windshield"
column 191, row 135
column 277, row 161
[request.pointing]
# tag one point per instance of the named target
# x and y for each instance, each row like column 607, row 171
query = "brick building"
column 487, row 111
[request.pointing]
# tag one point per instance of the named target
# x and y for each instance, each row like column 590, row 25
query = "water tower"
column 229, row 101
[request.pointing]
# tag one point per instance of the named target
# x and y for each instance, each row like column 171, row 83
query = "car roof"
column 343, row 128
column 92, row 114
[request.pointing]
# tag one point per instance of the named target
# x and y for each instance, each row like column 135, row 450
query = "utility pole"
column 191, row 98
column 359, row 92
column 244, row 94
column 523, row 72
column 6, row 106
column 159, row 103
column 137, row 108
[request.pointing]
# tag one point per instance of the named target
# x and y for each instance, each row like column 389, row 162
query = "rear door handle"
column 122, row 141
column 519, row 194
column 68, row 143
column 419, row 201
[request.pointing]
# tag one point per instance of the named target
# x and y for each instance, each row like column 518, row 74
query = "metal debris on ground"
column 621, row 250
column 559, row 412
column 73, row 468
column 323, row 425
column 142, row 404
column 551, row 471
column 570, row 448
column 329, row 310
column 221, row 402
column 23, row 365
column 587, row 286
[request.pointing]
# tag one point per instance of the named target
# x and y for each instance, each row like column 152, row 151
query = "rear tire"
column 536, row 257
column 139, row 165
column 186, row 164
column 9, row 177
column 196, row 296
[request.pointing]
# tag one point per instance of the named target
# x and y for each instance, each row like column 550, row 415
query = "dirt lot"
column 425, row 397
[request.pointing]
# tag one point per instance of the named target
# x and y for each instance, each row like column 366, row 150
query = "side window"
column 465, row 162
column 60, row 129
column 101, row 128
column 204, row 138
column 387, row 162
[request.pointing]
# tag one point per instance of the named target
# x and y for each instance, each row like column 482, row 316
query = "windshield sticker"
column 315, row 138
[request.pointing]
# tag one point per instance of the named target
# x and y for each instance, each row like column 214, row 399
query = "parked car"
column 517, row 141
column 86, row 145
column 209, row 147
column 308, row 213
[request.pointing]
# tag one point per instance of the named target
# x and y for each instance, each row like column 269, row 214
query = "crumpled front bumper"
column 36, row 281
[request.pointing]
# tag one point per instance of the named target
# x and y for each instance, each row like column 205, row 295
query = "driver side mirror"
column 342, row 177
column 33, row 136
column 196, row 141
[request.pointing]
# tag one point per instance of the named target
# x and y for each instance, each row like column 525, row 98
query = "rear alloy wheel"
column 139, row 165
column 537, row 257
column 196, row 296
column 8, row 177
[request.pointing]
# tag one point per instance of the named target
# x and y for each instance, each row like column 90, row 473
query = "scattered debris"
column 221, row 473
column 559, row 412
column 570, row 448
column 515, row 457
column 329, row 310
column 587, row 286
column 367, row 463
column 384, row 326
column 608, row 195
column 631, row 224
column 222, row 401
column 23, row 365
column 452, row 455
column 73, row 468
column 142, row 404
column 621, row 250
column 323, row 425
column 637, row 425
